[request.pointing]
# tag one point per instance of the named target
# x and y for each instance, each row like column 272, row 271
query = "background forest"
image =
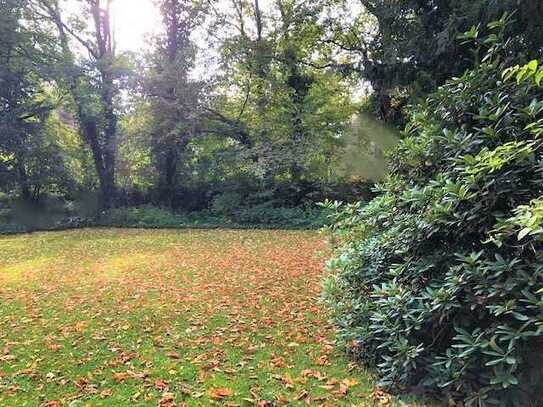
column 236, row 111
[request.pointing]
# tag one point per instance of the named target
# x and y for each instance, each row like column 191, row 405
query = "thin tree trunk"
column 23, row 180
column 110, row 147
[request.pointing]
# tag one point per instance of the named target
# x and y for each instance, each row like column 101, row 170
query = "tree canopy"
column 239, row 94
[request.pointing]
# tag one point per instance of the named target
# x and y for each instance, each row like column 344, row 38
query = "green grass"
column 110, row 317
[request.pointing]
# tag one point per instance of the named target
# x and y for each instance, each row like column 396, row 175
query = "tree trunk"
column 110, row 146
column 106, row 54
column 23, row 181
column 168, row 175
column 170, row 142
column 103, row 142
column 90, row 134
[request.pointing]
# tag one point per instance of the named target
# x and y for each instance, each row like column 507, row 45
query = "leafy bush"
column 267, row 214
column 49, row 213
column 438, row 282
column 8, row 228
column 226, row 203
column 144, row 216
column 257, row 216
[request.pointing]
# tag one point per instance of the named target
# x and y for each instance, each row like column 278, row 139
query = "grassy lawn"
column 112, row 317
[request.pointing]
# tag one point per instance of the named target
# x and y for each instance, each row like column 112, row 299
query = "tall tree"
column 92, row 83
column 276, row 64
column 407, row 48
column 27, row 60
column 173, row 95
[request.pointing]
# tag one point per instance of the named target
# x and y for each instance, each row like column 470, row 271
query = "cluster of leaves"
column 300, row 216
column 415, row 47
column 438, row 282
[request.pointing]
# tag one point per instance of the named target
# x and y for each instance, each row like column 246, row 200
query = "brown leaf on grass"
column 304, row 395
column 200, row 358
column 293, row 345
column 161, row 385
column 167, row 400
column 185, row 389
column 158, row 341
column 53, row 346
column 344, row 387
column 277, row 362
column 349, row 382
column 51, row 404
column 203, row 375
column 137, row 375
column 312, row 373
column 25, row 372
column 219, row 393
column 306, row 373
column 120, row 377
column 82, row 383
column 173, row 355
column 105, row 393
column 286, row 380
column 282, row 399
column 323, row 361
column 381, row 398
column 127, row 357
column 272, row 266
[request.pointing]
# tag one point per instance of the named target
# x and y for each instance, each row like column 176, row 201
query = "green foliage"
column 289, row 110
column 7, row 226
column 27, row 158
column 227, row 203
column 258, row 216
column 366, row 146
column 438, row 282
column 49, row 213
column 134, row 166
column 406, row 48
column 172, row 96
column 298, row 217
column 146, row 216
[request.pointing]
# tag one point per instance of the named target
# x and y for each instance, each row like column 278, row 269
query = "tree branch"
column 56, row 18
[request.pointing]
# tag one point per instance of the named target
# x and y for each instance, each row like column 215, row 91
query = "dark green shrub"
column 256, row 216
column 267, row 214
column 8, row 228
column 438, row 282
column 227, row 203
column 144, row 216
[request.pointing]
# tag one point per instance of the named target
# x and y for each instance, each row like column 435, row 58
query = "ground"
column 109, row 317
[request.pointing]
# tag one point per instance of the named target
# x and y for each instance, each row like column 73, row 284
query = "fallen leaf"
column 161, row 385
column 173, row 355
column 219, row 393
column 120, row 376
column 167, row 400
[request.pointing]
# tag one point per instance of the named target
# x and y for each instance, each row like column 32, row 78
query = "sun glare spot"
column 134, row 20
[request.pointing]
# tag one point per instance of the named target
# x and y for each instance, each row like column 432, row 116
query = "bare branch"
column 55, row 16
